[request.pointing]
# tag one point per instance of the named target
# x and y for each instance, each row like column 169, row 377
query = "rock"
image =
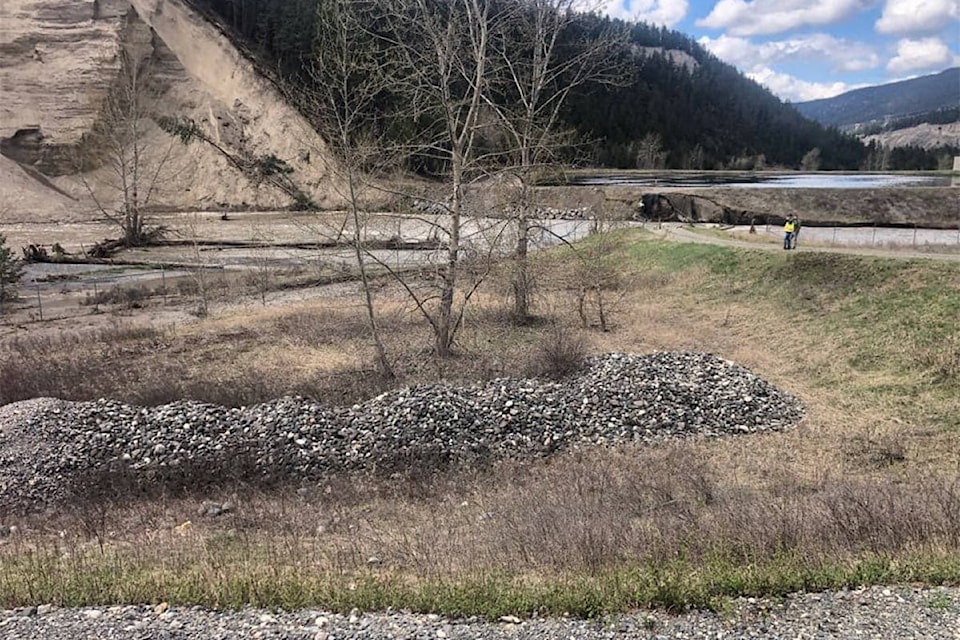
column 214, row 509
column 48, row 447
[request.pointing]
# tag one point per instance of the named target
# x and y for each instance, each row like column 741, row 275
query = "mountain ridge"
column 895, row 99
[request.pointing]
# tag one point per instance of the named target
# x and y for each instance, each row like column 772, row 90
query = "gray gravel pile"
column 48, row 447
column 536, row 213
column 551, row 213
column 901, row 613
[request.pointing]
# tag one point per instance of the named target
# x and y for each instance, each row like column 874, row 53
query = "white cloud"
column 842, row 55
column 764, row 17
column 917, row 16
column 665, row 12
column 791, row 88
column 922, row 54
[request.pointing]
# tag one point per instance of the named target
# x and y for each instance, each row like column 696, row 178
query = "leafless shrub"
column 876, row 452
column 943, row 361
column 319, row 327
column 559, row 352
column 126, row 297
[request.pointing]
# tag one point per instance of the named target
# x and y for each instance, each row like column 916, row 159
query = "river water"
column 754, row 180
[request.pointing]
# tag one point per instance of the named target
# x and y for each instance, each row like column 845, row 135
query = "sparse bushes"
column 943, row 361
column 559, row 352
column 125, row 297
column 610, row 529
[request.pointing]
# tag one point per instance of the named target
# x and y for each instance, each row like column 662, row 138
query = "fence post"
column 39, row 301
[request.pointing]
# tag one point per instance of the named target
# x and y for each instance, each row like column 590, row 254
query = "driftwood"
column 39, row 253
column 106, row 248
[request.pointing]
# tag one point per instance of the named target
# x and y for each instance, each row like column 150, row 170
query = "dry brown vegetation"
column 867, row 489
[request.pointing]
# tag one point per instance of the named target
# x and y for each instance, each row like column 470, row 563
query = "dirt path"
column 708, row 234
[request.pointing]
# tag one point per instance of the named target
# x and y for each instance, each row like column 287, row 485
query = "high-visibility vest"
column 788, row 227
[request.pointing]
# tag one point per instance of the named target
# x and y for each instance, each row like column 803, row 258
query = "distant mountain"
column 935, row 92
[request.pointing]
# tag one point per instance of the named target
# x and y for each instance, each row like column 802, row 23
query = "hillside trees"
column 706, row 112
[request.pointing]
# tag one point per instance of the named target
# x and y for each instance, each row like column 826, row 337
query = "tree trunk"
column 383, row 362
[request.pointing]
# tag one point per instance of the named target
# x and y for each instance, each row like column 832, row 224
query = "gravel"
column 47, row 445
column 53, row 450
column 904, row 613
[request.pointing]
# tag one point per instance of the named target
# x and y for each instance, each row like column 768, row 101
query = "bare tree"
column 260, row 276
column 198, row 269
column 443, row 55
column 131, row 170
column 539, row 65
column 349, row 79
column 650, row 152
column 595, row 277
column 452, row 65
column 811, row 160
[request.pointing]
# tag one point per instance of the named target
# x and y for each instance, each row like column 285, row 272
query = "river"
column 754, row 180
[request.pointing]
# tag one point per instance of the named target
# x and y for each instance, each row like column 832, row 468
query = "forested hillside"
column 673, row 104
column 708, row 117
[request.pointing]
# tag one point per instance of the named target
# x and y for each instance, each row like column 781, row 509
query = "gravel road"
column 901, row 613
column 903, row 244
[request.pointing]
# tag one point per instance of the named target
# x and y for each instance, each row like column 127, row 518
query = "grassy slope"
column 865, row 491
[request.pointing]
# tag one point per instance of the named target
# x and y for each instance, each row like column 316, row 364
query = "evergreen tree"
column 11, row 270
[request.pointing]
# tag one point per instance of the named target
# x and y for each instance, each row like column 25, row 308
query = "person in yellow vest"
column 788, row 228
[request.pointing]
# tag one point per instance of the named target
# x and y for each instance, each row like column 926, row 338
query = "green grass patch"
column 896, row 316
column 115, row 577
column 674, row 257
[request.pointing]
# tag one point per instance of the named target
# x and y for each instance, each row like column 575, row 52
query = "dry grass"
column 667, row 521
column 865, row 490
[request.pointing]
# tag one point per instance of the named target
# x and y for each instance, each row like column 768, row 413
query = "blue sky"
column 808, row 49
